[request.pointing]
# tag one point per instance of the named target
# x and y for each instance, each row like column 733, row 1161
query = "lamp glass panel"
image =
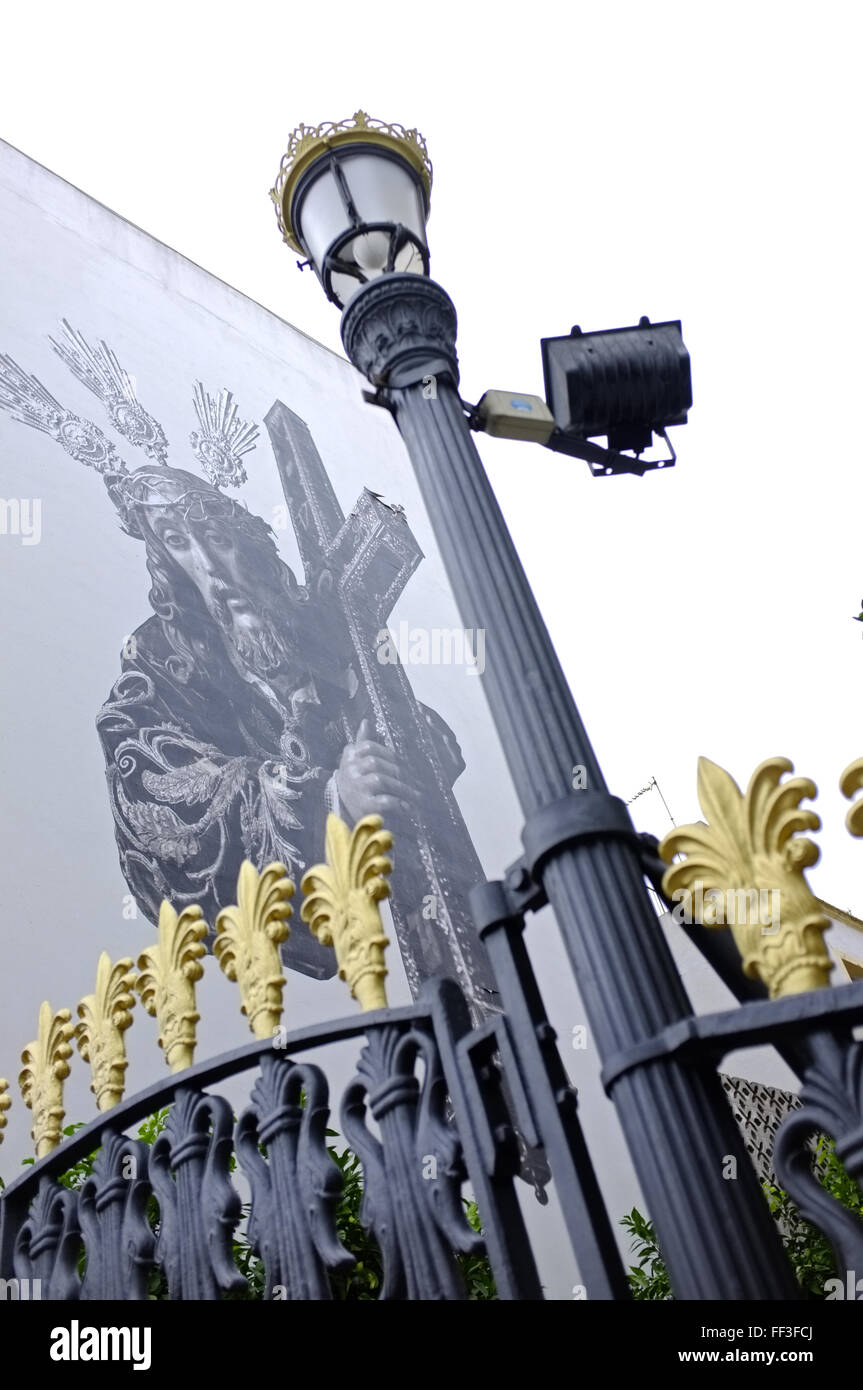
column 344, row 286
column 322, row 216
column 409, row 259
column 384, row 190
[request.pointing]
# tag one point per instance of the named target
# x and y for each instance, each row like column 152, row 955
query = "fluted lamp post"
column 352, row 197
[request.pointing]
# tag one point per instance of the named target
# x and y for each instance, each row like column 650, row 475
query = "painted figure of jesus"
column 235, row 725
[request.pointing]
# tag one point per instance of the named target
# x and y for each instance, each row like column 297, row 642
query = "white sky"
column 593, row 162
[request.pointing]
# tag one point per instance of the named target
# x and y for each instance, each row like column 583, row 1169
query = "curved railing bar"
column 203, row 1074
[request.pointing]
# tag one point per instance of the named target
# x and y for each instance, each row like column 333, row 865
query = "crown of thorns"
column 169, row 490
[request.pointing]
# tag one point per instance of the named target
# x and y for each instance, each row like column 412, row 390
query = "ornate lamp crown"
column 308, row 143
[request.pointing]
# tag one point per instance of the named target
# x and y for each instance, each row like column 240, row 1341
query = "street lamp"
column 339, row 186
column 354, row 198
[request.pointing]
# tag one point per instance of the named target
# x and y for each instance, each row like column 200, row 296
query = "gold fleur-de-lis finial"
column 341, row 904
column 5, row 1102
column 850, row 782
column 169, row 972
column 46, row 1066
column 744, row 869
column 247, row 942
column 105, row 1015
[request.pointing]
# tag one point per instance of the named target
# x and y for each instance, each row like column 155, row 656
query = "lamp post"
column 353, row 197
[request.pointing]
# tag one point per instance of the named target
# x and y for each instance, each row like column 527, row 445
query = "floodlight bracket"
column 605, row 462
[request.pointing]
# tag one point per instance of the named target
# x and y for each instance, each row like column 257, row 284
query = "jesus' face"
column 238, row 587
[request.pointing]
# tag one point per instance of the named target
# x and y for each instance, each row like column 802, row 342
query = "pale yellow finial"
column 743, row 869
column 105, row 1015
column 341, row 904
column 5, row 1102
column 850, row 782
column 46, row 1067
column 248, row 940
column 169, row 973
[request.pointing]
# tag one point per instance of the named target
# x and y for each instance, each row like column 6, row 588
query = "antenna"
column 651, row 784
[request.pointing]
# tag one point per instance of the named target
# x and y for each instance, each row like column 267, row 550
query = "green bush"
column 809, row 1251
